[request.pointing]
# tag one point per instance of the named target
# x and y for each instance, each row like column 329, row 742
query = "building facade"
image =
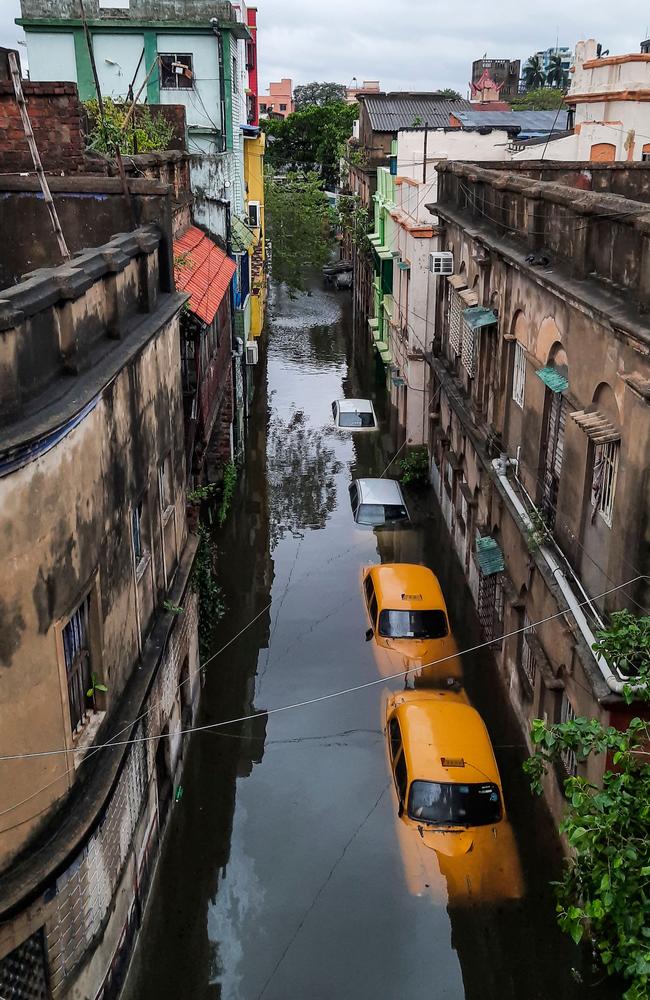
column 504, row 72
column 92, row 447
column 278, row 101
column 541, row 431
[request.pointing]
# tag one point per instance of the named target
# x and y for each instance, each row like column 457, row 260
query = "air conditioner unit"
column 441, row 262
column 252, row 352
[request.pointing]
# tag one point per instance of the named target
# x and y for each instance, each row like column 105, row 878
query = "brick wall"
column 55, row 113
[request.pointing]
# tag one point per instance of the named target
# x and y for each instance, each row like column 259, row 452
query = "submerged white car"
column 378, row 502
column 354, row 414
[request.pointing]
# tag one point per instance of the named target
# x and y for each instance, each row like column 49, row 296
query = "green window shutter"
column 387, row 276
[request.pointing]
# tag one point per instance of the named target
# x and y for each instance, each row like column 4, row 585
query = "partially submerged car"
column 354, row 414
column 449, row 792
column 378, row 502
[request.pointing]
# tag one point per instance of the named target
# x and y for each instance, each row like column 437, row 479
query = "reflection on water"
column 286, row 874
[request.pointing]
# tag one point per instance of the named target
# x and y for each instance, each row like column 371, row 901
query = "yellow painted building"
column 254, row 178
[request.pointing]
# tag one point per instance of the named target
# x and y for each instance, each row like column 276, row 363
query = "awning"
column 489, row 556
column 469, row 297
column 596, row 426
column 457, row 281
column 242, row 237
column 381, row 346
column 204, row 270
column 478, row 316
column 404, row 265
column 373, row 324
column 386, row 357
column 553, row 379
column 383, row 252
column 374, row 238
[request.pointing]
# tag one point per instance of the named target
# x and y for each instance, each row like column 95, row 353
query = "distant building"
column 367, row 87
column 278, row 103
column 546, row 55
column 504, row 72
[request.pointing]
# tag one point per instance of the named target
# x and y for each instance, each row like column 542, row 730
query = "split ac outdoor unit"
column 252, row 352
column 441, row 262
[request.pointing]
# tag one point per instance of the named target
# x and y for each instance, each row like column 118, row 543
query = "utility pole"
column 424, row 158
column 33, row 148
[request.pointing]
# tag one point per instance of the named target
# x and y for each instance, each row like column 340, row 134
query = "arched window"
column 603, row 152
column 555, row 376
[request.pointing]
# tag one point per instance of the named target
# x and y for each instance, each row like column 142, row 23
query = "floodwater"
column 286, row 873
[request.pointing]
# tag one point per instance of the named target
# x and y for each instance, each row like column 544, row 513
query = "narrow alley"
column 286, row 873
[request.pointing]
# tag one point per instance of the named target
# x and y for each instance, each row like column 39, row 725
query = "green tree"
column 299, row 225
column 311, row 139
column 541, row 99
column 450, row 93
column 604, row 894
column 557, row 76
column 533, row 73
column 319, row 94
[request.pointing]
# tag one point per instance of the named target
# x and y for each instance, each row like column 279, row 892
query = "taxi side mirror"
column 369, row 634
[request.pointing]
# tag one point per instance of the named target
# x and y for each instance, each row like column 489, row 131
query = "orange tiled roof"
column 205, row 271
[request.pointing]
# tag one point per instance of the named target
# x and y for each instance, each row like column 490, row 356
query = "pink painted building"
column 278, row 103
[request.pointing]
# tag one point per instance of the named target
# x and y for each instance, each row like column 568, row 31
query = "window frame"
column 603, row 496
column 519, row 375
column 78, row 674
column 165, row 466
column 258, row 208
column 177, row 57
column 567, row 756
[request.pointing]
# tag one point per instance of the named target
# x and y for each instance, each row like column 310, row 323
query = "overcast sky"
column 416, row 44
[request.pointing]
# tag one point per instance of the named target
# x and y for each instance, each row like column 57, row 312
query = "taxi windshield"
column 450, row 804
column 356, row 419
column 413, row 624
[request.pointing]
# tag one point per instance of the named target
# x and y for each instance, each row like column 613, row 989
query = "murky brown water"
column 285, row 874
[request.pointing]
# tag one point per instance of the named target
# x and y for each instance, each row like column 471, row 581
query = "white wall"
column 205, row 56
column 116, row 58
column 51, row 56
column 454, row 144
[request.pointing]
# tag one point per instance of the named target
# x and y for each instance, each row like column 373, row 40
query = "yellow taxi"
column 449, row 792
column 409, row 620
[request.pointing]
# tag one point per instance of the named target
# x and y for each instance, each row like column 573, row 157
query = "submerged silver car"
column 378, row 502
column 354, row 414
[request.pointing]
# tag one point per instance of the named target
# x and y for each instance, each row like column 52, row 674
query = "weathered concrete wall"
column 138, row 10
column 629, row 180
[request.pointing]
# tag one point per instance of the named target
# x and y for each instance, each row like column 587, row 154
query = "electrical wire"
column 292, row 706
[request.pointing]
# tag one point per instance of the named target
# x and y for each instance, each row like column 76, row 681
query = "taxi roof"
column 408, row 587
column 436, row 725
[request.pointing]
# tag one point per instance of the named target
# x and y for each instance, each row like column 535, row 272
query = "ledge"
column 82, row 809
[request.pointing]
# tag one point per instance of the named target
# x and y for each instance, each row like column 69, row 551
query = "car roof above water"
column 354, row 405
column 379, row 491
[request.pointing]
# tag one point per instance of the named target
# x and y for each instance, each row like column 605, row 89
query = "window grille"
column 455, row 320
column 76, row 650
column 603, row 485
column 176, row 71
column 528, row 661
column 468, row 349
column 567, row 714
column 553, row 457
column 519, row 375
column 136, row 527
column 165, row 482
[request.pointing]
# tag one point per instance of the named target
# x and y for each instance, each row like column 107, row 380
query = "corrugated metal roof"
column 552, row 378
column 489, row 556
column 525, row 121
column 478, row 316
column 202, row 269
column 242, row 237
column 390, row 112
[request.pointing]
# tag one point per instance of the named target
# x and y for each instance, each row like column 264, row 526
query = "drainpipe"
column 613, row 683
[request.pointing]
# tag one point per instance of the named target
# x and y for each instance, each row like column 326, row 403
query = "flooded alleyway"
column 286, row 874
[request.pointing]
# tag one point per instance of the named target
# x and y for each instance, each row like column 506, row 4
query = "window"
column 378, row 513
column 603, row 484
column 165, row 483
column 528, row 662
column 76, row 650
column 519, row 375
column 253, row 214
column 645, row 157
column 283, row 107
column 369, row 588
column 413, row 624
column 354, row 497
column 262, row 106
column 455, row 320
column 468, row 349
column 235, row 75
column 567, row 714
column 176, row 71
column 401, row 778
column 139, row 532
column 451, row 804
column 395, row 737
column 250, row 55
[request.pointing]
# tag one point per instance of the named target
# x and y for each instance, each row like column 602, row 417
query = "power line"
column 325, row 697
